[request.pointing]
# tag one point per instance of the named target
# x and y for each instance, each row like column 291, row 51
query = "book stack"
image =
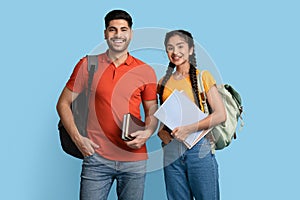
column 131, row 124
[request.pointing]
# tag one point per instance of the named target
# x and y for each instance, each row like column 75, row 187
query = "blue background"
column 254, row 44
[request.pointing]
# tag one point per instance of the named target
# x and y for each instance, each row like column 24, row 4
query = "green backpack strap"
column 202, row 92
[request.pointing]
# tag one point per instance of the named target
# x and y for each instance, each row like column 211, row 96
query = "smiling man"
column 120, row 85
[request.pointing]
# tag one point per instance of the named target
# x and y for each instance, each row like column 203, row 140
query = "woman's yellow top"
column 186, row 86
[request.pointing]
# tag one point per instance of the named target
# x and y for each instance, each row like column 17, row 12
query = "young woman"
column 189, row 173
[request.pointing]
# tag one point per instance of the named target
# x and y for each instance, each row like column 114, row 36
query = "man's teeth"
column 119, row 40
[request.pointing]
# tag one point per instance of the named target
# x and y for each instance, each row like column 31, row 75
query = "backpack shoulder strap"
column 92, row 67
column 202, row 92
column 92, row 62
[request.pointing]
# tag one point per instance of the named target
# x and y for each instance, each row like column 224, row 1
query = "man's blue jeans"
column 191, row 172
column 98, row 175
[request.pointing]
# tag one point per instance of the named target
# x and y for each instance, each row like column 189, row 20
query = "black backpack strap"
column 92, row 67
column 92, row 62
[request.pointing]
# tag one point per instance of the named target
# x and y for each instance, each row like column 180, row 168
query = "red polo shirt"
column 115, row 92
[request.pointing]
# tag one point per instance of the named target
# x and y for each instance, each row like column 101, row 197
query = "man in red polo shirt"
column 120, row 85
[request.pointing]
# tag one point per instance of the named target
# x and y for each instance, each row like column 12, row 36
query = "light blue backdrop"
column 254, row 44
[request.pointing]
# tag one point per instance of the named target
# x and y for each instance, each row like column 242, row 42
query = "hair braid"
column 193, row 78
column 193, row 59
column 165, row 80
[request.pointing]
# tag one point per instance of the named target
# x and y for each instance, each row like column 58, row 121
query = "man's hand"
column 86, row 146
column 140, row 138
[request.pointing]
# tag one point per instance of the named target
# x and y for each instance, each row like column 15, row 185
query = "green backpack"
column 223, row 133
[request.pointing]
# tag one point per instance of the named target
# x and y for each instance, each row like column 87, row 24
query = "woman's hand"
column 181, row 133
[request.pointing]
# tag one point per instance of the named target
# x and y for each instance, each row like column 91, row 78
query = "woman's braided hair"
column 193, row 64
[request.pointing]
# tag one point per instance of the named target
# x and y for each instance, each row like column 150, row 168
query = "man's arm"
column 151, row 124
column 85, row 145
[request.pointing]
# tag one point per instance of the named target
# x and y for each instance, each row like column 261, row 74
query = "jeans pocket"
column 89, row 157
column 204, row 150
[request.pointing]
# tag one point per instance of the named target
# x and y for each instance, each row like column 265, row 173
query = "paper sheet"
column 179, row 110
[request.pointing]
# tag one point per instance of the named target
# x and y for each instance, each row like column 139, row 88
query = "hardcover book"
column 131, row 124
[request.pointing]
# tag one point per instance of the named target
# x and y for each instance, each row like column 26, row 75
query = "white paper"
column 179, row 110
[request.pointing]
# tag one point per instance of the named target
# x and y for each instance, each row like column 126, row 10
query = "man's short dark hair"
column 117, row 14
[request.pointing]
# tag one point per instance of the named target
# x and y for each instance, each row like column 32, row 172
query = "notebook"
column 179, row 110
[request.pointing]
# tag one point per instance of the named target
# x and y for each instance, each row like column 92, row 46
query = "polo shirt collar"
column 105, row 58
column 129, row 59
